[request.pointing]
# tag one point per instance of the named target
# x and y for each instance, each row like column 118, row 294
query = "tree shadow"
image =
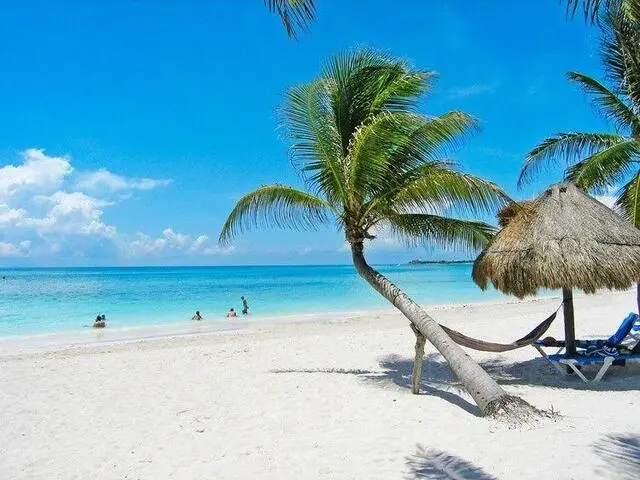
column 536, row 371
column 621, row 454
column 438, row 465
column 396, row 371
column 438, row 379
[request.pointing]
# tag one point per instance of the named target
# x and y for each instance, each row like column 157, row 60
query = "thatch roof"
column 562, row 239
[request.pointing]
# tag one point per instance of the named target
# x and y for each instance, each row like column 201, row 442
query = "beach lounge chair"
column 580, row 360
column 617, row 349
column 629, row 326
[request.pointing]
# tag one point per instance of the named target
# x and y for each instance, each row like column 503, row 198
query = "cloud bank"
column 47, row 208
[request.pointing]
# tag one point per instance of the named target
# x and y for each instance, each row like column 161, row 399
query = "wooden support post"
column 569, row 325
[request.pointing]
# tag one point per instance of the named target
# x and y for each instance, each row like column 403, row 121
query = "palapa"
column 563, row 239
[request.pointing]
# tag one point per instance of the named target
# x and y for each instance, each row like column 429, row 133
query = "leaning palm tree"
column 598, row 162
column 371, row 163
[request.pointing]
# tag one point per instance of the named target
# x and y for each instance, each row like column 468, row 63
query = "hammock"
column 483, row 346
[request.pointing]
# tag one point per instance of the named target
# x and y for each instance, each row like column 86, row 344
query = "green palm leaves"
column 597, row 162
column 370, row 161
column 276, row 205
column 294, row 14
column 593, row 9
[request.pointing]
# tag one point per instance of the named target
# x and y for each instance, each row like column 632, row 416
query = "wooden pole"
column 569, row 326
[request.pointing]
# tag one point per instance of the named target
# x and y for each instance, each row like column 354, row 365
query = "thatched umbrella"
column 563, row 239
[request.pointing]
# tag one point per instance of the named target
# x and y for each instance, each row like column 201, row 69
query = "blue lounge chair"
column 575, row 362
column 600, row 351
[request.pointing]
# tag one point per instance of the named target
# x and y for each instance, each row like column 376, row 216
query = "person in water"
column 245, row 306
column 100, row 322
column 197, row 316
column 231, row 313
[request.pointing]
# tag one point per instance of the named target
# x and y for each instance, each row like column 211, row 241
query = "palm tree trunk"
column 489, row 396
column 638, row 296
column 416, row 375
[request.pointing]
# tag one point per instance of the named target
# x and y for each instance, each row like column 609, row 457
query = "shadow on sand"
column 438, row 380
column 398, row 372
column 438, row 465
column 621, row 454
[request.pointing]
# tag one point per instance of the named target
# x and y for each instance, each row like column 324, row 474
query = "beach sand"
column 325, row 399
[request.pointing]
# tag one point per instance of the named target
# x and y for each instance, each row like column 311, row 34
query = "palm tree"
column 294, row 14
column 298, row 14
column 370, row 162
column 598, row 162
column 593, row 9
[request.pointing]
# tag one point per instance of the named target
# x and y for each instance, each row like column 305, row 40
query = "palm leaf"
column 436, row 186
column 610, row 105
column 605, row 168
column 385, row 151
column 295, row 14
column 628, row 202
column 416, row 228
column 274, row 205
column 620, row 49
column 564, row 146
column 593, row 9
column 367, row 82
column 316, row 149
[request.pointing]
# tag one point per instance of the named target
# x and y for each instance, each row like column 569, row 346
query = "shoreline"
column 89, row 337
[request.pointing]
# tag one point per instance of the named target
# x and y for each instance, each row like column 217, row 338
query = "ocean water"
column 52, row 300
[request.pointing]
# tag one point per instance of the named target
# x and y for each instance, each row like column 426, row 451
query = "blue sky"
column 128, row 129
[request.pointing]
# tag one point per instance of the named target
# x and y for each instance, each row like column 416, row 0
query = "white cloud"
column 216, row 250
column 472, row 90
column 174, row 238
column 199, row 244
column 10, row 250
column 104, row 178
column 47, row 211
column 10, row 215
column 69, row 214
column 176, row 243
column 169, row 240
column 37, row 171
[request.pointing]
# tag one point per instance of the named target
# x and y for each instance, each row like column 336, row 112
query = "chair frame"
column 574, row 363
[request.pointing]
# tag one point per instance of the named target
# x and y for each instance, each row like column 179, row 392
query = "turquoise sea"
column 53, row 300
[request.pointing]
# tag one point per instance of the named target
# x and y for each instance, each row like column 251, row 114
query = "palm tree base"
column 517, row 412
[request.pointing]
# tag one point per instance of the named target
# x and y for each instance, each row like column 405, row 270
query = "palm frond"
column 628, row 202
column 603, row 169
column 384, row 152
column 591, row 9
column 610, row 105
column 415, row 229
column 620, row 50
column 295, row 14
column 275, row 206
column 569, row 147
column 437, row 187
column 316, row 148
column 367, row 82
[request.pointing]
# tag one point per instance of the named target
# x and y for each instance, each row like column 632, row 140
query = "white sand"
column 310, row 400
